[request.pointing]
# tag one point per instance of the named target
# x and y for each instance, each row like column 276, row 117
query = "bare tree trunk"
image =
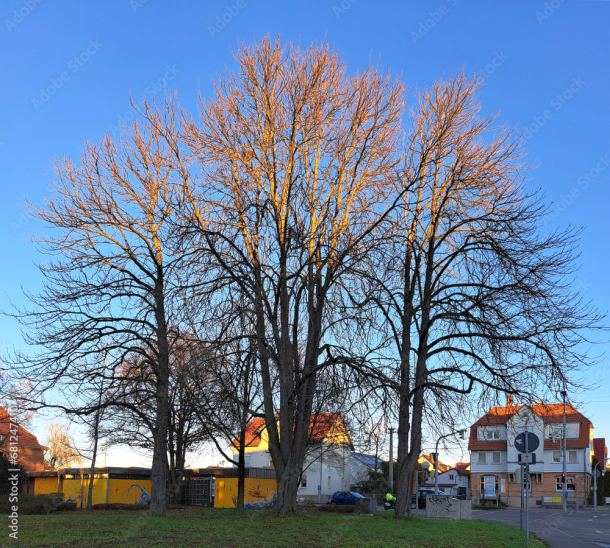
column 96, row 435
column 96, row 430
column 287, row 487
column 159, row 475
column 241, row 470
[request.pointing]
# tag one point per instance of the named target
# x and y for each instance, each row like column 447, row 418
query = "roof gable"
column 323, row 427
column 25, row 438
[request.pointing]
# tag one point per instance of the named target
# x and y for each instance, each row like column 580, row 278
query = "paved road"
column 574, row 529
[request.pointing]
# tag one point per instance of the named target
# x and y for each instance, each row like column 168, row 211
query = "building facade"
column 495, row 469
column 327, row 466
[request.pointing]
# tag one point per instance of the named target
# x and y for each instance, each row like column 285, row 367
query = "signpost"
column 526, row 443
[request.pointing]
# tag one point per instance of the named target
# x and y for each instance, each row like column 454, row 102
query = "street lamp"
column 595, row 481
column 462, row 434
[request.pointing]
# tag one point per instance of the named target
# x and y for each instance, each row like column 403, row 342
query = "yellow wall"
column 44, row 486
column 99, row 491
column 125, row 491
column 122, row 491
column 72, row 490
column 257, row 490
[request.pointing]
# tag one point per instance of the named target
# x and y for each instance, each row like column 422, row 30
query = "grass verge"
column 232, row 528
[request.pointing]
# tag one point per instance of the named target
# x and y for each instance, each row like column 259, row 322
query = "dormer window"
column 492, row 434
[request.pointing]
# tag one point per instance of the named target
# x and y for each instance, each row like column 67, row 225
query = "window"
column 491, row 434
column 303, row 480
column 328, row 482
column 555, row 431
column 572, row 457
column 570, row 482
column 513, row 477
column 482, row 457
column 489, row 486
column 536, row 477
column 496, row 457
column 451, row 477
column 556, row 457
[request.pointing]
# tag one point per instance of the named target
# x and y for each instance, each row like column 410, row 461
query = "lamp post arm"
column 445, row 436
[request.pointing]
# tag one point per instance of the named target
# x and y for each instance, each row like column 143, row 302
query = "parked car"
column 347, row 497
column 420, row 499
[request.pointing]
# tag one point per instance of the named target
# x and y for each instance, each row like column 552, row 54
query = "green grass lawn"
column 208, row 527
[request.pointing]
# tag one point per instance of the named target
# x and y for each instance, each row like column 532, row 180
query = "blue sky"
column 69, row 69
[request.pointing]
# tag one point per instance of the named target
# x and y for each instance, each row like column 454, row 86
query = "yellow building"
column 111, row 485
column 204, row 487
column 218, row 487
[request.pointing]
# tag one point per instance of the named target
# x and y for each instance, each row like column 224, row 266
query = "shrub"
column 36, row 504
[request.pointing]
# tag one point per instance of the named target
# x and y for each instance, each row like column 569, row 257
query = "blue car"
column 346, row 497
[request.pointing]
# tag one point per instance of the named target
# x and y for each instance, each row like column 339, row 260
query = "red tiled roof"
column 442, row 467
column 549, row 412
column 254, row 428
column 462, row 468
column 26, row 439
column 320, row 426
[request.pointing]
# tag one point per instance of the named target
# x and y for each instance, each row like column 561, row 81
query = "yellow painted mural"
column 257, row 490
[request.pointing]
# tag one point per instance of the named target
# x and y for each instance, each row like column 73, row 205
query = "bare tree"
column 294, row 154
column 112, row 286
column 472, row 297
column 62, row 450
column 231, row 396
column 133, row 424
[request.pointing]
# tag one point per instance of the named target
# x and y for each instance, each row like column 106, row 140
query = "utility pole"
column 563, row 438
column 391, row 463
column 320, row 484
column 526, row 473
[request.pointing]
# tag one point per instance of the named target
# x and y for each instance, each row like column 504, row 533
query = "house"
column 427, row 461
column 30, row 453
column 494, row 467
column 453, row 480
column 327, row 463
column 361, row 466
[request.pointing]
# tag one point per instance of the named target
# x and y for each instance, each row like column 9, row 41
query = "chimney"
column 509, row 400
